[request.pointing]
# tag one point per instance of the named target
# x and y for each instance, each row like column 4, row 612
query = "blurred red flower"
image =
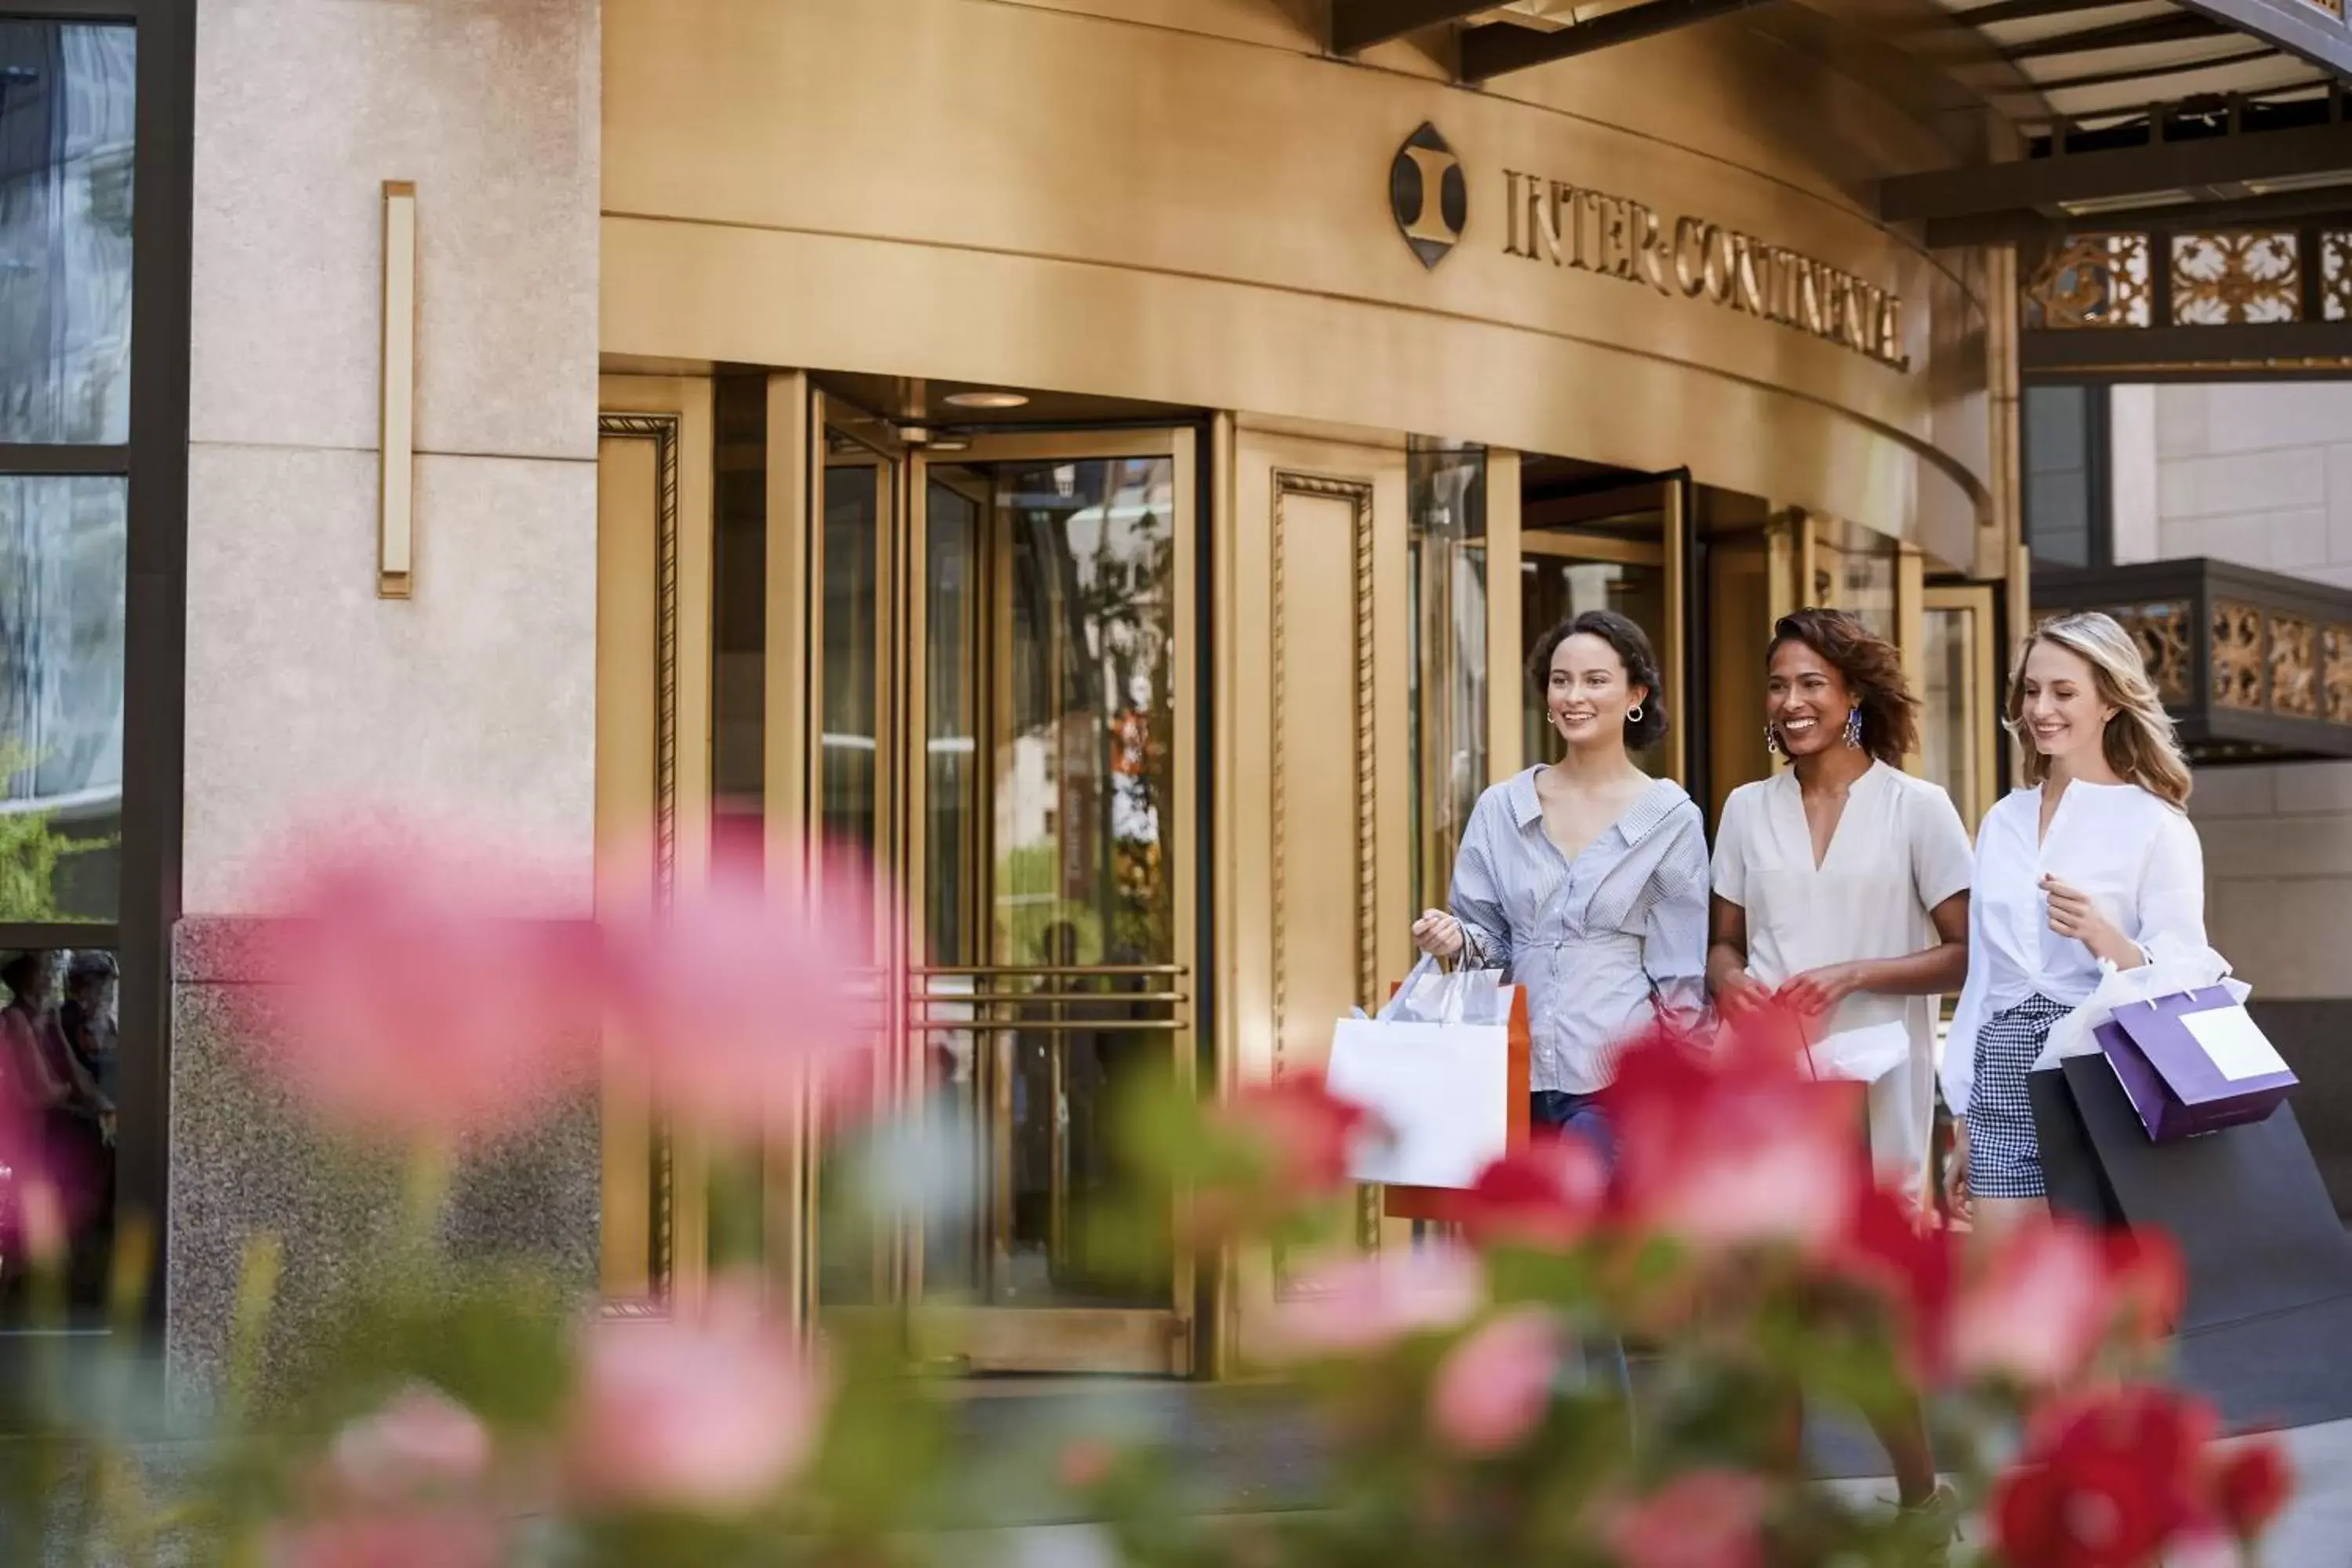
column 2054, row 1293
column 1299, row 1129
column 709, row 1414
column 2104, row 1482
column 1890, row 1247
column 1735, row 1146
column 2249, row 1485
column 1491, row 1391
column 1705, row 1519
column 1547, row 1194
column 1363, row 1304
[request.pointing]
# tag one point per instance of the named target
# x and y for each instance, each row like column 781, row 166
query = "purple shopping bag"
column 2193, row 1062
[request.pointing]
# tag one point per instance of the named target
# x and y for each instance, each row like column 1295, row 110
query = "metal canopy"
column 1358, row 25
column 1497, row 38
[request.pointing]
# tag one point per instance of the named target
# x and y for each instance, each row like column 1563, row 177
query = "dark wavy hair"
column 1634, row 651
column 1871, row 669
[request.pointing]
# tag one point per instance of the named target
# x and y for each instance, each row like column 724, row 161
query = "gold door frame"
column 1050, row 1339
column 1976, row 600
column 974, row 1337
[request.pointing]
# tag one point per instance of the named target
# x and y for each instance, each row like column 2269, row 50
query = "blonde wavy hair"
column 2139, row 741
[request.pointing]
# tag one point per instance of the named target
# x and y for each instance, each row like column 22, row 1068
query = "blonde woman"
column 2084, row 869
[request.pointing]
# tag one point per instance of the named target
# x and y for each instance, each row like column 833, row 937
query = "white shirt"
column 2137, row 858
column 1899, row 850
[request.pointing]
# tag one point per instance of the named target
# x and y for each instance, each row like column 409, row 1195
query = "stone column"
column 475, row 700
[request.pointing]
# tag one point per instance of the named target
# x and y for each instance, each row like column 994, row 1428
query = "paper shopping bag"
column 2194, row 1062
column 1438, row 1094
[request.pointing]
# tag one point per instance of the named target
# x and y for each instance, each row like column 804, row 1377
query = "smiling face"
column 1589, row 693
column 2061, row 708
column 1805, row 700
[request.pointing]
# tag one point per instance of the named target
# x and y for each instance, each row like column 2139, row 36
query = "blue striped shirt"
column 1602, row 943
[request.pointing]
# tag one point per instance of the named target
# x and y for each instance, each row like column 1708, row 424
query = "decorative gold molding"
column 2336, row 673
column 2166, row 637
column 396, row 429
column 2294, row 666
column 2239, row 664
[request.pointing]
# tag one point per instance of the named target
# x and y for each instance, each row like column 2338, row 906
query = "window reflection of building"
column 66, row 118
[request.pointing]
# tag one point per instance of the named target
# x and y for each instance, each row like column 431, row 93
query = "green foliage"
column 31, row 850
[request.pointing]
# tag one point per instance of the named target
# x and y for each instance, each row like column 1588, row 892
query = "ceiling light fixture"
column 987, row 399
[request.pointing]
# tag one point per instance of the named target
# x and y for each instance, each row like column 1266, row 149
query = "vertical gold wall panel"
column 654, row 492
column 1316, row 769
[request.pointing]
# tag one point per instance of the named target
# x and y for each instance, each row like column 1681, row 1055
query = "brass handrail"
column 1044, row 998
column 1051, row 970
column 1048, row 1026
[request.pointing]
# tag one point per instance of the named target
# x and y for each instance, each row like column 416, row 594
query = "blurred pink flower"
column 743, row 996
column 1492, row 1389
column 1364, row 1304
column 2039, row 1310
column 709, row 1416
column 1547, row 1194
column 446, row 1540
column 1736, row 1146
column 1707, row 1519
column 415, row 1005
column 421, row 1442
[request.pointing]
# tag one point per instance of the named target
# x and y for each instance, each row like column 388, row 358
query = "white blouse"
column 1900, row 849
column 2138, row 860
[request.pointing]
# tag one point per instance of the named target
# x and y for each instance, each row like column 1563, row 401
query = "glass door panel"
column 1057, row 882
column 1002, row 717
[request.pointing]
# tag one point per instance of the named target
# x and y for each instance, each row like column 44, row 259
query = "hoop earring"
column 1772, row 739
column 1853, row 728
column 1633, row 714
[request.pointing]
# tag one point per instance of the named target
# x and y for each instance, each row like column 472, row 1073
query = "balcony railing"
column 2255, row 667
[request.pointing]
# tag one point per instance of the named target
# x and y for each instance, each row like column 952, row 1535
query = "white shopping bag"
column 1860, row 1055
column 2173, row 967
column 1438, row 1095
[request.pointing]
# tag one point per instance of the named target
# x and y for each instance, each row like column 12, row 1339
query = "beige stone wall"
column 2260, row 475
column 306, row 693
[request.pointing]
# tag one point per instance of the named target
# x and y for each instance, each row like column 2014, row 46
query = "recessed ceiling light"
column 987, row 399
column 950, row 444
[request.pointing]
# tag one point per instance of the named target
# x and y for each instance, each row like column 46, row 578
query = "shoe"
column 1936, row 1520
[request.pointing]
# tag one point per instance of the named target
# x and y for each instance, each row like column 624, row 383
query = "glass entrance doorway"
column 1002, row 728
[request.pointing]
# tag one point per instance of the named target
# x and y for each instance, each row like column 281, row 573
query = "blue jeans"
column 1581, row 1116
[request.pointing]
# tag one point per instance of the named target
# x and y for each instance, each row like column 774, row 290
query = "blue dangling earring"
column 1853, row 728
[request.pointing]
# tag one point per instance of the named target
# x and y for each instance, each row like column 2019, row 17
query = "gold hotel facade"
column 1103, row 462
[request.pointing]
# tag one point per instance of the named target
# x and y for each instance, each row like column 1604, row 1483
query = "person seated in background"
column 87, row 1020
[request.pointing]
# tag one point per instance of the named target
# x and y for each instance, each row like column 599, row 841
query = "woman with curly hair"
column 1842, row 892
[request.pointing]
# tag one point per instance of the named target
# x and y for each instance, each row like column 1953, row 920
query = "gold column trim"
column 1676, row 509
column 1506, row 698
column 396, row 428
column 1911, row 629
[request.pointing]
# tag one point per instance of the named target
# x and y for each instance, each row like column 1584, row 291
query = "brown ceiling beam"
column 2284, row 349
column 1497, row 48
column 2179, row 27
column 2029, row 10
column 2049, row 184
column 2330, row 207
column 1358, row 25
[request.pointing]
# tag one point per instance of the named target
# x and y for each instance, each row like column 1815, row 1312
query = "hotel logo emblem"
column 1428, row 195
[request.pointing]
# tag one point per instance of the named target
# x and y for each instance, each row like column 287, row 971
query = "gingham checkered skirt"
column 2004, row 1156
